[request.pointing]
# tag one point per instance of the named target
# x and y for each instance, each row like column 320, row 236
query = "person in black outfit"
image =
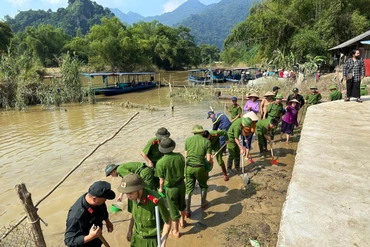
column 85, row 217
column 297, row 96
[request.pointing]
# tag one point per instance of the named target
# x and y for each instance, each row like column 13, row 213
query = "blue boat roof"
column 98, row 74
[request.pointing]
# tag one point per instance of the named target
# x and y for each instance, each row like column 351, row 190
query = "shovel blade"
column 251, row 161
column 245, row 179
column 274, row 161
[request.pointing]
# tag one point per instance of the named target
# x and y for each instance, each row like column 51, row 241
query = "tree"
column 5, row 36
column 209, row 53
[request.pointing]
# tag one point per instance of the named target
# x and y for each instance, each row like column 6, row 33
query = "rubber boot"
column 229, row 166
column 204, row 202
column 226, row 178
column 188, row 204
column 237, row 163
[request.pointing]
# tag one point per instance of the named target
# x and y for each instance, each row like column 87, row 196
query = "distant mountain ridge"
column 209, row 24
column 170, row 18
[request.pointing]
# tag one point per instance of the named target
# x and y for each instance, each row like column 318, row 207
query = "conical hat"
column 294, row 100
column 251, row 115
column 269, row 94
column 253, row 95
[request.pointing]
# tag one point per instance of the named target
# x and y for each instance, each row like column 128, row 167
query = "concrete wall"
column 328, row 199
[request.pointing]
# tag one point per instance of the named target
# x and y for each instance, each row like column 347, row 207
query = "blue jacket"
column 220, row 121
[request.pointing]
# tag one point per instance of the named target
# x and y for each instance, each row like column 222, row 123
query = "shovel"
column 273, row 160
column 245, row 175
column 102, row 239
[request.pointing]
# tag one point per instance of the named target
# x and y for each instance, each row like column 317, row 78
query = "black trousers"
column 353, row 88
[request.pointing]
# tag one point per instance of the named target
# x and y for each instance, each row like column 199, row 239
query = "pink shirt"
column 255, row 106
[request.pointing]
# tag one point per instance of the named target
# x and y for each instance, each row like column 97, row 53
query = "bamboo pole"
column 31, row 213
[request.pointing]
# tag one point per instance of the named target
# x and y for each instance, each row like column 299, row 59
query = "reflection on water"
column 39, row 147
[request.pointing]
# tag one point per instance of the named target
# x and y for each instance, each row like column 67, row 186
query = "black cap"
column 295, row 90
column 102, row 189
column 275, row 88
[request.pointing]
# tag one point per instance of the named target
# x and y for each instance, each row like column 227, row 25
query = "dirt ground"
column 235, row 214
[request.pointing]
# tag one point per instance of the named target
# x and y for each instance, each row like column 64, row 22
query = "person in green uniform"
column 196, row 149
column 150, row 152
column 171, row 171
column 146, row 173
column 142, row 230
column 275, row 108
column 334, row 93
column 363, row 91
column 214, row 137
column 234, row 146
column 275, row 90
column 264, row 128
column 313, row 97
column 235, row 109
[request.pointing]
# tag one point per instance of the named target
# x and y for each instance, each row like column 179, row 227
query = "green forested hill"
column 213, row 25
column 78, row 15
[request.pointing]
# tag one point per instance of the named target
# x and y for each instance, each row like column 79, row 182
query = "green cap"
column 333, row 87
column 247, row 122
column 363, row 86
column 197, row 129
column 131, row 183
column 167, row 145
column 313, row 87
column 110, row 168
column 278, row 96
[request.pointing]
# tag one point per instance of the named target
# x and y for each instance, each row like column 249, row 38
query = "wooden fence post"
column 32, row 216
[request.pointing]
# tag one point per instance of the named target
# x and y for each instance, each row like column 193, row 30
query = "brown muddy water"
column 39, row 147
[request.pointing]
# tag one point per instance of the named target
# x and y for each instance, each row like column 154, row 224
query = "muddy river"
column 38, row 147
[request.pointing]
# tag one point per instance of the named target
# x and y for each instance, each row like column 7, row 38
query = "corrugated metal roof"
column 360, row 37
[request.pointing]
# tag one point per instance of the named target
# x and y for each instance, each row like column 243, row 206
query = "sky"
column 143, row 7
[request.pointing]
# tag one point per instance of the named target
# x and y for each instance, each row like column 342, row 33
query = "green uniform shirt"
column 143, row 213
column 274, row 109
column 146, row 173
column 197, row 147
column 215, row 138
column 335, row 95
column 235, row 111
column 313, row 99
column 363, row 92
column 172, row 168
column 235, row 130
column 151, row 150
column 262, row 126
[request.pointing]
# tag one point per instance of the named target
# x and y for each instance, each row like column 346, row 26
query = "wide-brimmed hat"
column 247, row 122
column 294, row 100
column 253, row 95
column 167, row 145
column 332, row 87
column 210, row 113
column 131, row 183
column 110, row 168
column 279, row 96
column 313, row 87
column 251, row 115
column 197, row 129
column 363, row 86
column 102, row 189
column 162, row 132
column 269, row 94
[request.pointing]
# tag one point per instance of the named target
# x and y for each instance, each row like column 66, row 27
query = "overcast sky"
column 143, row 7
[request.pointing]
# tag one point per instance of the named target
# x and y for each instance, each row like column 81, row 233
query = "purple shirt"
column 291, row 115
column 255, row 106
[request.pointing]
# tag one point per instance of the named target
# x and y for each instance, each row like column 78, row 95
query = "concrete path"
column 328, row 200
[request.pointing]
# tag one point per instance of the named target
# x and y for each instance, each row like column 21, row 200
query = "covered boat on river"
column 124, row 82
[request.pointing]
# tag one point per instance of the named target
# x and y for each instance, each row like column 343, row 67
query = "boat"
column 199, row 77
column 218, row 75
column 104, row 76
column 235, row 75
column 125, row 82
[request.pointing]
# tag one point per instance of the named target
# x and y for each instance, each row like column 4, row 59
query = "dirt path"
column 234, row 214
